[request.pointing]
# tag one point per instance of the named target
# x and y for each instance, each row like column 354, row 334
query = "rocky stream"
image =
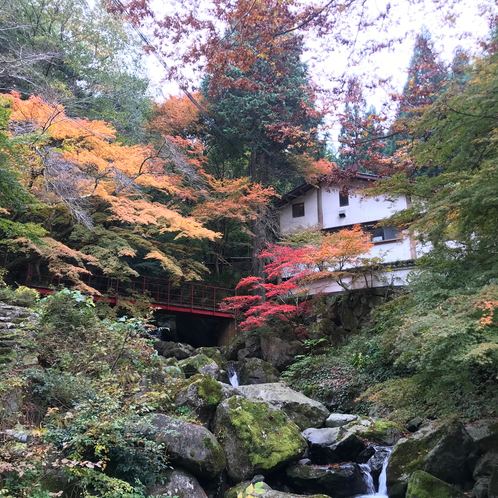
column 252, row 428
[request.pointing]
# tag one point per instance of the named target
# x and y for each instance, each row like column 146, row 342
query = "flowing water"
column 232, row 375
column 366, row 468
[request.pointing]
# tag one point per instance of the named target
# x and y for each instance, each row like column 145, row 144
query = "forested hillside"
column 103, row 174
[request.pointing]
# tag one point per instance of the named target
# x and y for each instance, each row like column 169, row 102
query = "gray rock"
column 303, row 411
column 484, row 433
column 481, row 488
column 257, row 371
column 343, row 481
column 333, row 445
column 190, row 445
column 493, row 485
column 340, row 419
column 486, row 465
column 173, row 349
column 181, row 484
column 255, row 438
column 414, row 424
column 439, row 449
column 279, row 352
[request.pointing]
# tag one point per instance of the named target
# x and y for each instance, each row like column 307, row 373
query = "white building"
column 309, row 205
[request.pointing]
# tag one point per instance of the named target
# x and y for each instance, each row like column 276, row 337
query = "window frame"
column 295, row 207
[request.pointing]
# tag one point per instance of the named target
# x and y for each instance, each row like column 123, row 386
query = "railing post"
column 214, row 299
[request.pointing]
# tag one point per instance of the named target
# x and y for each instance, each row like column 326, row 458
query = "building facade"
column 325, row 207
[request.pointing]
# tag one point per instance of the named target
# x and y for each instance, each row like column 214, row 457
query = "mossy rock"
column 423, row 485
column 189, row 445
column 201, row 394
column 269, row 493
column 199, row 364
column 383, row 431
column 441, row 449
column 255, row 439
column 257, row 371
column 214, row 354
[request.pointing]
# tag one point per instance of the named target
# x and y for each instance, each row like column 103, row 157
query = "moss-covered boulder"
column 215, row 354
column 440, row 449
column 255, row 439
column 381, row 431
column 257, row 371
column 342, row 481
column 484, row 433
column 303, row 411
column 423, row 485
column 189, row 445
column 200, row 364
column 269, row 493
column 202, row 394
column 178, row 483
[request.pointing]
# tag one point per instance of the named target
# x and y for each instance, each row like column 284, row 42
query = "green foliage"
column 434, row 359
column 95, row 381
column 22, row 296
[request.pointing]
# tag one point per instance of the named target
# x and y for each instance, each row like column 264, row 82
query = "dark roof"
column 304, row 187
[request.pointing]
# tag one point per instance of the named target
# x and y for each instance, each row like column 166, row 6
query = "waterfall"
column 366, row 468
column 232, row 375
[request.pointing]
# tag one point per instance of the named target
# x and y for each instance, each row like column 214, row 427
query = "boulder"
column 493, row 485
column 484, row 433
column 481, row 488
column 213, row 353
column 303, row 411
column 269, row 493
column 340, row 419
column 439, row 449
column 343, row 481
column 170, row 349
column 202, row 395
column 333, row 445
column 200, row 364
column 180, row 484
column 255, row 438
column 414, row 424
column 380, row 431
column 279, row 352
column 423, row 485
column 189, row 445
column 486, row 465
column 230, row 351
column 257, row 371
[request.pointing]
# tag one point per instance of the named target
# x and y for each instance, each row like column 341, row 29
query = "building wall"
column 359, row 210
column 310, row 218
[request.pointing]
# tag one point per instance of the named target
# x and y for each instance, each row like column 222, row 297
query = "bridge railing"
column 189, row 295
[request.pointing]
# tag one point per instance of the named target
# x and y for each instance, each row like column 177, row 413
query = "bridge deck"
column 183, row 297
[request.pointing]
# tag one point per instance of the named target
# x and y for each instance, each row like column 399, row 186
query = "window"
column 383, row 233
column 343, row 200
column 298, row 210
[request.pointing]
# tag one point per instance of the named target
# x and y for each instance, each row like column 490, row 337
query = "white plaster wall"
column 397, row 277
column 360, row 210
column 310, row 218
column 398, row 250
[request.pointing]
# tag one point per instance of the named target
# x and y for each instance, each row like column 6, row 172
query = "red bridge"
column 183, row 297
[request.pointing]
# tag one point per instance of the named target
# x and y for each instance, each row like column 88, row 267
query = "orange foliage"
column 488, row 308
column 177, row 116
column 108, row 170
column 77, row 163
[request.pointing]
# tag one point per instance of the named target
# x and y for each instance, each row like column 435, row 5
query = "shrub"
column 22, row 296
